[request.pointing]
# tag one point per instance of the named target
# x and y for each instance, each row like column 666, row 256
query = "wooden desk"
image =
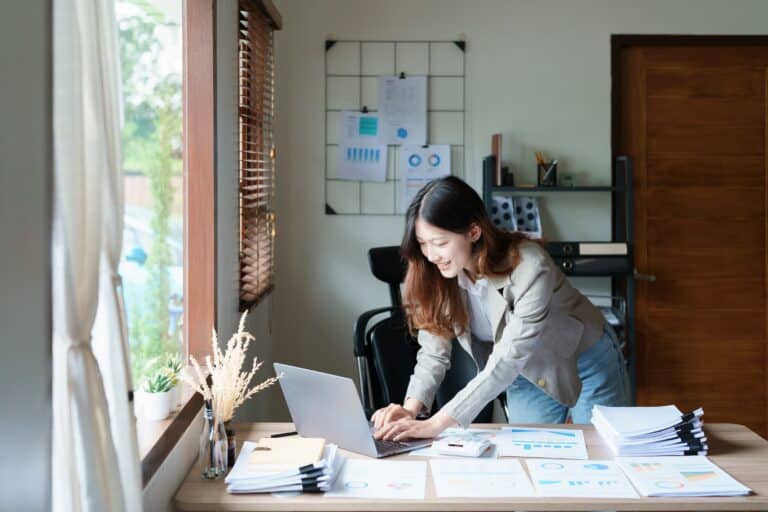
column 735, row 448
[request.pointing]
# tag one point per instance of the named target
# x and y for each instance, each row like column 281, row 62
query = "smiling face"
column 450, row 252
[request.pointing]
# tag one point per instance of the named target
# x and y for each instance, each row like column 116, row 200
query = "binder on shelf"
column 568, row 249
column 595, row 266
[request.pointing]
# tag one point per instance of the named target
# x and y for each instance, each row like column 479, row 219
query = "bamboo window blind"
column 256, row 152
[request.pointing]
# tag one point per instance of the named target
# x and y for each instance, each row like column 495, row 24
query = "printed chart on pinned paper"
column 577, row 479
column 542, row 442
column 479, row 478
column 420, row 165
column 361, row 478
column 403, row 109
column 361, row 154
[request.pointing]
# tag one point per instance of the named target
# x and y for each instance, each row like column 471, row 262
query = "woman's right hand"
column 389, row 414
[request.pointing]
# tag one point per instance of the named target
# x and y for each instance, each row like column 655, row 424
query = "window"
column 151, row 266
column 257, row 152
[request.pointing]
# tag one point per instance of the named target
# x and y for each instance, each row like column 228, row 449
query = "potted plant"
column 157, row 395
column 173, row 370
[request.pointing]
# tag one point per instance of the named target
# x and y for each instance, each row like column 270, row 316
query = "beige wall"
column 538, row 72
column 26, row 184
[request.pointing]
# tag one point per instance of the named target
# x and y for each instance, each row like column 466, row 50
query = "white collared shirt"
column 479, row 323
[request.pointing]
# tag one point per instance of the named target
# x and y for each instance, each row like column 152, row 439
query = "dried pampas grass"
column 229, row 385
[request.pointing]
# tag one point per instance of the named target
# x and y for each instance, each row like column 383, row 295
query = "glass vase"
column 214, row 449
column 231, row 442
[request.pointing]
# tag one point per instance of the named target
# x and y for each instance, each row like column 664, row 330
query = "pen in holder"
column 547, row 173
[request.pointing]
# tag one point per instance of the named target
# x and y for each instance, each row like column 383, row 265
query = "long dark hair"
column 433, row 302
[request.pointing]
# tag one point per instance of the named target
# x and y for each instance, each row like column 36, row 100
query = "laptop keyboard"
column 383, row 446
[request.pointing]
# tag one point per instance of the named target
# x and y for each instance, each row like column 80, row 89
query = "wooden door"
column 693, row 118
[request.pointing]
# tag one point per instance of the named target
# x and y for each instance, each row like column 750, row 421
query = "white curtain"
column 87, row 472
column 110, row 333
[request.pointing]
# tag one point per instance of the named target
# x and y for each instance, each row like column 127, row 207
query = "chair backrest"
column 387, row 265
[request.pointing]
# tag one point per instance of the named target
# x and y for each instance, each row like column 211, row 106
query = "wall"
column 538, row 72
column 26, row 180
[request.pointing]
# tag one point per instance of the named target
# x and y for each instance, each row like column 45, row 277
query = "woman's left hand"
column 415, row 429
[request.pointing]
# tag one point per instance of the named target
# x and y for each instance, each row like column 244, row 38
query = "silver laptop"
column 327, row 406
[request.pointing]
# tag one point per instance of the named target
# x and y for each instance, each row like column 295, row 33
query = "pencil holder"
column 547, row 174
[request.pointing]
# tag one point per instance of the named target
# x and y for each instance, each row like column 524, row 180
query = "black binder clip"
column 364, row 110
column 402, row 75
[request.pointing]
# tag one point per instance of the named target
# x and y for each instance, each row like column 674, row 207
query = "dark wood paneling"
column 716, row 171
column 706, row 202
column 708, row 264
column 687, row 82
column 706, row 139
column 703, row 234
column 723, row 57
column 714, row 294
column 696, row 325
column 705, row 111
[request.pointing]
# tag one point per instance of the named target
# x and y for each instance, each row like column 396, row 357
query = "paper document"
column 418, row 166
column 680, row 476
column 362, row 153
column 390, row 479
column 579, row 479
column 478, row 478
column 291, row 451
column 542, row 442
column 403, row 109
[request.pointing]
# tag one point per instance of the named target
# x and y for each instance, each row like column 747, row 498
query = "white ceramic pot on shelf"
column 156, row 406
column 175, row 399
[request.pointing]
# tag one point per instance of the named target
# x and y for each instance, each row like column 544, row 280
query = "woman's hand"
column 415, row 429
column 390, row 414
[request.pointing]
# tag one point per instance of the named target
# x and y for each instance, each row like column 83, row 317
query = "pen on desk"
column 285, row 434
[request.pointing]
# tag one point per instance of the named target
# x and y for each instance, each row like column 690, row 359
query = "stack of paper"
column 680, row 476
column 650, row 431
column 285, row 464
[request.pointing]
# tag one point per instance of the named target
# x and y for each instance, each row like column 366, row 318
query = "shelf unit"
column 619, row 268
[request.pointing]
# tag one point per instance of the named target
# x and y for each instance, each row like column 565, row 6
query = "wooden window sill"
column 157, row 438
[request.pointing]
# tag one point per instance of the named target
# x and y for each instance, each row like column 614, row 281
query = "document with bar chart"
column 579, row 479
column 680, row 476
column 541, row 442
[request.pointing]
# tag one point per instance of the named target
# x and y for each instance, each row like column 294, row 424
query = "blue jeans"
column 604, row 381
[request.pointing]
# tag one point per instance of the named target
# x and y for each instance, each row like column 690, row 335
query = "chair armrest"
column 362, row 322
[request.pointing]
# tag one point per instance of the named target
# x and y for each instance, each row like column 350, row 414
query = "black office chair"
column 386, row 352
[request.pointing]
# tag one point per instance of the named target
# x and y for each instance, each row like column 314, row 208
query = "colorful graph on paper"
column 570, row 478
column 541, row 442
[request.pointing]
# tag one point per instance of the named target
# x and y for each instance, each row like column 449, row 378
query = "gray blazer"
column 541, row 324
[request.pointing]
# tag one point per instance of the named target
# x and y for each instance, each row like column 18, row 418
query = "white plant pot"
column 156, row 406
column 175, row 397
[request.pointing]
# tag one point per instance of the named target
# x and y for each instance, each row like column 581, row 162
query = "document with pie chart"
column 380, row 479
column 692, row 475
column 417, row 166
column 579, row 479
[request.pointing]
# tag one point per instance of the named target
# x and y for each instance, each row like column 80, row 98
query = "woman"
column 500, row 294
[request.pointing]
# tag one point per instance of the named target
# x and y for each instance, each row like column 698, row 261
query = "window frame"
column 199, row 178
